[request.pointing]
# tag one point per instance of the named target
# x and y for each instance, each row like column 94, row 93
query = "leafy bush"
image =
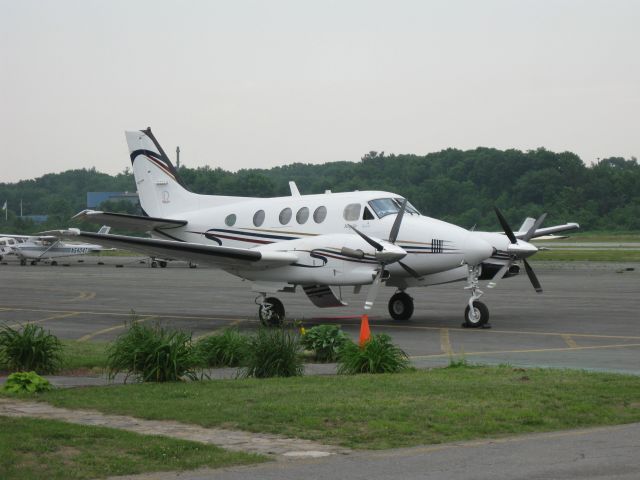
column 26, row 382
column 273, row 352
column 31, row 348
column 325, row 341
column 153, row 354
column 224, row 350
column 378, row 355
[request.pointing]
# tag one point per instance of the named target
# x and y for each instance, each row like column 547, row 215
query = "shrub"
column 378, row 355
column 225, row 350
column 26, row 382
column 31, row 348
column 325, row 341
column 273, row 352
column 153, row 354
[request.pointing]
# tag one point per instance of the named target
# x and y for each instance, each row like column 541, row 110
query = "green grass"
column 382, row 411
column 35, row 449
column 584, row 255
column 80, row 355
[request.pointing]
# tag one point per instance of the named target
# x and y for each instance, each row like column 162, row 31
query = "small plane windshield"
column 387, row 206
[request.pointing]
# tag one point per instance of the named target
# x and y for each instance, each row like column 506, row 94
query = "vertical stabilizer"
column 162, row 193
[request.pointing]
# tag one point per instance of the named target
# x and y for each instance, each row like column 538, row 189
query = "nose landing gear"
column 401, row 306
column 476, row 314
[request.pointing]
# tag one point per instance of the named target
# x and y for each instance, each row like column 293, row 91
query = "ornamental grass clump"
column 273, row 352
column 30, row 348
column 26, row 382
column 325, row 341
column 377, row 355
column 227, row 349
column 153, row 354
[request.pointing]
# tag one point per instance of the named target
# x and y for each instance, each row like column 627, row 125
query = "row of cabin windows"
column 351, row 213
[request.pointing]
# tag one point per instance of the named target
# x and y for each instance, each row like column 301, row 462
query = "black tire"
column 23, row 261
column 154, row 264
column 401, row 306
column 33, row 262
column 54, row 263
column 271, row 312
column 162, row 264
column 483, row 316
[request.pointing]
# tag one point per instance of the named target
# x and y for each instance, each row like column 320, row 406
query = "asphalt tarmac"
column 586, row 318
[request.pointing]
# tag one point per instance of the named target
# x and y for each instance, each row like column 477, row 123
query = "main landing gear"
column 401, row 306
column 270, row 311
column 476, row 314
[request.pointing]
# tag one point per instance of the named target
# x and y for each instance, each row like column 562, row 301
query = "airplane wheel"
column 54, row 263
column 401, row 306
column 154, row 264
column 481, row 318
column 33, row 262
column 162, row 264
column 271, row 312
column 23, row 261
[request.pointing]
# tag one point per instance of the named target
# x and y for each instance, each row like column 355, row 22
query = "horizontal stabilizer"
column 127, row 221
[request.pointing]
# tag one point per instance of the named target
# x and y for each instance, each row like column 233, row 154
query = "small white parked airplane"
column 35, row 248
column 313, row 241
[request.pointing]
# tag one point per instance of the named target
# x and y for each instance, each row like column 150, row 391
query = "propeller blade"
column 373, row 291
column 532, row 276
column 499, row 275
column 505, row 226
column 534, row 227
column 410, row 270
column 396, row 224
column 367, row 239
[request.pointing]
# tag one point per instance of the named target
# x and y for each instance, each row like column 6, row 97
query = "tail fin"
column 160, row 189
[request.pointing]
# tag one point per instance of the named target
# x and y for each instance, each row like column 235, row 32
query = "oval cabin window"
column 285, row 216
column 258, row 218
column 302, row 216
column 230, row 220
column 320, row 214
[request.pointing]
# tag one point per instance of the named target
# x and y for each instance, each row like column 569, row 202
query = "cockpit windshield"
column 387, row 206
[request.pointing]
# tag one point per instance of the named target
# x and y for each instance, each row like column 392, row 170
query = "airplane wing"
column 540, row 232
column 128, row 222
column 221, row 257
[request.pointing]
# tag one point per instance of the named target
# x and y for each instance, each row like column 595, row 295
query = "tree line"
column 453, row 185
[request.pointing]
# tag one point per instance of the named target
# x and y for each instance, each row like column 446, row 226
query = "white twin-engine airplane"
column 313, row 241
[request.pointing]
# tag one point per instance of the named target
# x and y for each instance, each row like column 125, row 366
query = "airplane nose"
column 476, row 250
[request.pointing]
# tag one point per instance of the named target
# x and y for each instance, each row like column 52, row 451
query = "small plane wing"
column 127, row 221
column 547, row 231
column 222, row 257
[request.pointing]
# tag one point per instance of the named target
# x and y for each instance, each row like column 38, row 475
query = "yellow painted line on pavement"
column 569, row 341
column 233, row 323
column 142, row 318
column 52, row 317
column 445, row 341
column 83, row 296
column 534, row 350
column 121, row 314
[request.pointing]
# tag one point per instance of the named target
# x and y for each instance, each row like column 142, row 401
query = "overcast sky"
column 242, row 84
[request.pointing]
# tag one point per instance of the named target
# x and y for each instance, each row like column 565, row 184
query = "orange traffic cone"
column 365, row 333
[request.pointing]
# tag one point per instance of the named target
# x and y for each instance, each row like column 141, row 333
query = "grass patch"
column 35, row 449
column 84, row 355
column 584, row 255
column 382, row 411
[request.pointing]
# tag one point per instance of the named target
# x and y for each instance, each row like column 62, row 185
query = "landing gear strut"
column 476, row 314
column 271, row 312
column 401, row 306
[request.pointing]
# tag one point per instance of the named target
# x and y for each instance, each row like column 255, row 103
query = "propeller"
column 518, row 251
column 384, row 256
